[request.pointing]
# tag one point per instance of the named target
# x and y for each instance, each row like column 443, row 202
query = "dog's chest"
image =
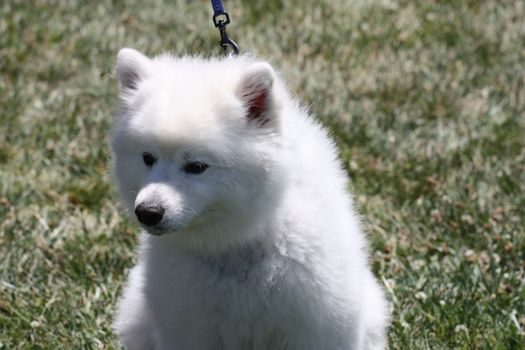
column 237, row 267
column 253, row 298
column 238, row 285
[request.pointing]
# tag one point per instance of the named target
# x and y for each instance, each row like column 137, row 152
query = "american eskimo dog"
column 250, row 239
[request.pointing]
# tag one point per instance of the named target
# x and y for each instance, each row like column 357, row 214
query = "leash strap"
column 217, row 5
column 221, row 19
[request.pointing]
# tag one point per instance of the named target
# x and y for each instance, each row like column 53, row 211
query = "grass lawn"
column 426, row 100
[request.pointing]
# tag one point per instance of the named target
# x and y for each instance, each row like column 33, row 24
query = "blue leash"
column 221, row 19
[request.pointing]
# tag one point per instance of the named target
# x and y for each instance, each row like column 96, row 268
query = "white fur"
column 261, row 251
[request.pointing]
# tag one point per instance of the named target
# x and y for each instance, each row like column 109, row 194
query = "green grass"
column 426, row 101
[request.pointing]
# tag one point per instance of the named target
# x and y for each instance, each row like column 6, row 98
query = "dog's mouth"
column 158, row 231
column 154, row 232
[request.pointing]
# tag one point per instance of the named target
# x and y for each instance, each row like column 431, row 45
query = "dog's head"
column 197, row 145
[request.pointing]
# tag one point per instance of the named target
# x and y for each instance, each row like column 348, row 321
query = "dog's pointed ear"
column 132, row 68
column 255, row 91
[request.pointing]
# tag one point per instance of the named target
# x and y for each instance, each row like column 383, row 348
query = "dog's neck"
column 236, row 261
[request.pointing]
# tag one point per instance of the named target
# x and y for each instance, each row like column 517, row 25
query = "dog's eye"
column 148, row 159
column 195, row 168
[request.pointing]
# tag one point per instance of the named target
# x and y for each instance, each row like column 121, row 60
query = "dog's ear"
column 255, row 91
column 132, row 68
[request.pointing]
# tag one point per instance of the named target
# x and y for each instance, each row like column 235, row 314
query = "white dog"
column 251, row 241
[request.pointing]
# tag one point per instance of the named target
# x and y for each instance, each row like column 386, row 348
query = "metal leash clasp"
column 221, row 20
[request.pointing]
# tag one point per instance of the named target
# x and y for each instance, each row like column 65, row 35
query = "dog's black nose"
column 149, row 215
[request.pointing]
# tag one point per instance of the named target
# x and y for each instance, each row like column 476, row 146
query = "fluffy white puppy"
column 250, row 238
